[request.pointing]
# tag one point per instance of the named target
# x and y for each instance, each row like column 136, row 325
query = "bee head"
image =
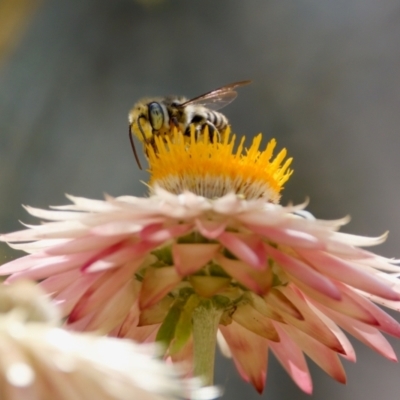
column 146, row 119
column 139, row 122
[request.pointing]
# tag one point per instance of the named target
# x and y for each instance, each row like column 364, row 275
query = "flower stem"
column 206, row 318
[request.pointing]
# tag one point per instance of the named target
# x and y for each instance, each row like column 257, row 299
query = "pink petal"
column 124, row 256
column 304, row 273
column 52, row 215
column 386, row 322
column 36, row 247
column 79, row 326
column 101, row 291
column 89, row 205
column 258, row 281
column 131, row 320
column 249, row 352
column 210, row 229
column 158, row 234
column 189, row 258
column 288, row 237
column 292, row 360
column 56, row 283
column 84, row 243
column 348, row 305
column 251, row 319
column 114, row 310
column 72, row 293
column 281, row 303
column 311, row 325
column 260, row 304
column 156, row 313
column 350, row 354
column 42, row 261
column 327, row 359
column 142, row 334
column 347, row 272
column 116, row 255
column 157, row 283
column 115, row 228
column 43, row 267
column 366, row 334
column 51, row 230
column 247, row 248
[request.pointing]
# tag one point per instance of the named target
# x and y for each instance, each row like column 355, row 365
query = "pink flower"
column 287, row 282
column 212, row 237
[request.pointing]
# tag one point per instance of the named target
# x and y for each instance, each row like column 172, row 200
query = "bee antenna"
column 134, row 148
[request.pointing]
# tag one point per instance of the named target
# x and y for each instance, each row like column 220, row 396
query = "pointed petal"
column 292, row 360
column 258, row 281
column 117, row 255
column 158, row 234
column 325, row 358
column 142, row 334
column 304, row 273
column 156, row 313
column 249, row 352
column 366, row 334
column 260, row 304
column 39, row 266
column 350, row 354
column 40, row 245
column 68, row 297
column 251, row 319
column 223, row 345
column 114, row 311
column 208, row 286
column 57, row 283
column 247, row 248
column 51, row 230
column 288, row 237
column 156, row 284
column 52, row 215
column 210, row 229
column 281, row 303
column 189, row 258
column 347, row 305
column 131, row 320
column 84, row 243
column 85, row 204
column 348, row 273
column 116, row 228
column 311, row 325
column 101, row 291
column 385, row 322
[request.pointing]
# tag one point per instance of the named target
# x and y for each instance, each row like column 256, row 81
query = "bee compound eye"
column 156, row 115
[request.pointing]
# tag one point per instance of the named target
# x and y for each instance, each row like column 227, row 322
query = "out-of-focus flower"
column 40, row 361
column 212, row 235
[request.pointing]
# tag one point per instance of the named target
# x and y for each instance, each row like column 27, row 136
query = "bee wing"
column 218, row 98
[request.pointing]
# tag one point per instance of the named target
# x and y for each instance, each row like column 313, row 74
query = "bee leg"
column 212, row 132
column 173, row 122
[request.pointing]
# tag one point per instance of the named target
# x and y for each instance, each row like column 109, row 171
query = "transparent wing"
column 218, row 98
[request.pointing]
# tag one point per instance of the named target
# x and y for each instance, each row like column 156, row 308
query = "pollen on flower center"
column 214, row 168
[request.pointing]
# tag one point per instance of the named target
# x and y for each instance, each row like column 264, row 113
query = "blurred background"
column 326, row 84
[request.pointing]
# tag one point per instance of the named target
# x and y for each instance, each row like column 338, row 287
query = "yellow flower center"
column 213, row 168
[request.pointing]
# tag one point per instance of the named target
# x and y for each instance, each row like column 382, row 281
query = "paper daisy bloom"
column 212, row 253
column 38, row 360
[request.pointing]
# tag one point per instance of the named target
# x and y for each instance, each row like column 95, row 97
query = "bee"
column 158, row 116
